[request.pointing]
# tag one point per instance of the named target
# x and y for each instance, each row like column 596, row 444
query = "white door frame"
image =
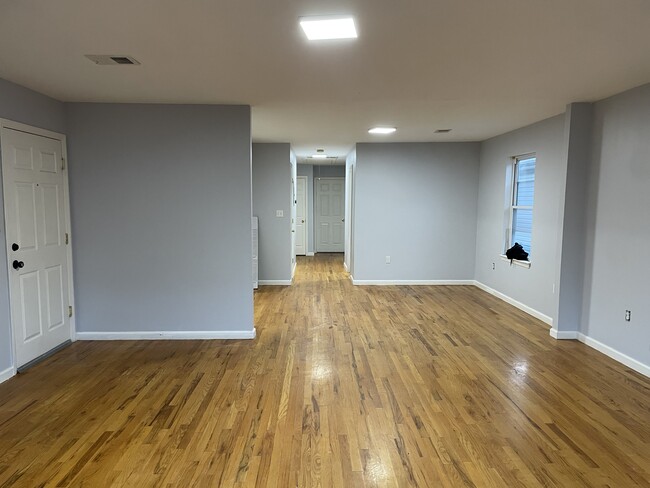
column 317, row 209
column 10, row 124
column 306, row 224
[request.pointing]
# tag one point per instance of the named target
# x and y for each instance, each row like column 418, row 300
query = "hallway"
column 344, row 387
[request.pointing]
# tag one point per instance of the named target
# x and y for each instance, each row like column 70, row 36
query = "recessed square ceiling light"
column 322, row 28
column 382, row 130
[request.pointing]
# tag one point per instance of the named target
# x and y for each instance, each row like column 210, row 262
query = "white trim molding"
column 618, row 356
column 7, row 373
column 274, row 282
column 411, row 282
column 525, row 308
column 563, row 334
column 309, row 254
column 517, row 262
column 166, row 335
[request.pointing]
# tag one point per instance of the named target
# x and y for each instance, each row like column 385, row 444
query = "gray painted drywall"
column 415, row 202
column 534, row 286
column 161, row 209
column 329, row 171
column 23, row 105
column 272, row 192
column 618, row 226
column 307, row 170
column 28, row 107
column 571, row 243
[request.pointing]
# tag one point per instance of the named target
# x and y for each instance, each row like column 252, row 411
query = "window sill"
column 518, row 262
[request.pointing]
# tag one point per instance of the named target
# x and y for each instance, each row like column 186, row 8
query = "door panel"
column 331, row 213
column 35, row 218
column 51, row 215
column 29, row 301
column 25, row 215
column 54, row 287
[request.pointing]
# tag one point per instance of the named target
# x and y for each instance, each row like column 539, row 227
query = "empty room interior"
column 336, row 244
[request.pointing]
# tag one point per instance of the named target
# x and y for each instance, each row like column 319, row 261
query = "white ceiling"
column 479, row 67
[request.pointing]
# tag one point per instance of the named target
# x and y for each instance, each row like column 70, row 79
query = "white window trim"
column 518, row 262
column 513, row 207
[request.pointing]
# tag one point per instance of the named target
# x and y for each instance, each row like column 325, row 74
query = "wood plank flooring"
column 343, row 387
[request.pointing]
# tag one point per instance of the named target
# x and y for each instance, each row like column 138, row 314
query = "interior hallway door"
column 301, row 216
column 330, row 214
column 35, row 215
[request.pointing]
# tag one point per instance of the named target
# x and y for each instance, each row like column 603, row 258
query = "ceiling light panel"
column 325, row 28
column 382, row 130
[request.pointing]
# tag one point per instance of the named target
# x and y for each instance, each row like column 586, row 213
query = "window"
column 521, row 204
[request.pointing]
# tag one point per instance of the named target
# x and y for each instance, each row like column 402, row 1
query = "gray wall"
column 271, row 192
column 618, row 236
column 415, row 202
column 161, row 209
column 571, row 244
column 28, row 107
column 532, row 287
column 329, row 171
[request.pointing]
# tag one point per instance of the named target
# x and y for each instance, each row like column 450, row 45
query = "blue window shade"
column 523, row 198
column 522, row 227
column 525, row 182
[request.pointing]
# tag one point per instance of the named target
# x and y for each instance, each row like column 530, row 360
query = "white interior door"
column 301, row 216
column 330, row 214
column 36, row 224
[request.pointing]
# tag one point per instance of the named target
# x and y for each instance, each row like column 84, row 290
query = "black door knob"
column 18, row 264
column 15, row 247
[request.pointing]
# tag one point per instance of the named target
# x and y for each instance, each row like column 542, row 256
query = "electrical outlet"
column 493, row 266
column 387, row 259
column 279, row 213
column 628, row 315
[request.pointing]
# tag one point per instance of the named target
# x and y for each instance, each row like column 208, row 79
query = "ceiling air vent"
column 108, row 59
column 443, row 131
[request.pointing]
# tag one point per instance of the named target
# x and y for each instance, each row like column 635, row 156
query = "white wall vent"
column 110, row 59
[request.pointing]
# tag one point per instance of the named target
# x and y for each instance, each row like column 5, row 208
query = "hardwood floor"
column 343, row 387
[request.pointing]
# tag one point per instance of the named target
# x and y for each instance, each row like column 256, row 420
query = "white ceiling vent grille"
column 108, row 59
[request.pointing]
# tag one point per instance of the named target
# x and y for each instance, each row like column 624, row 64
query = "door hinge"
column 67, row 238
column 62, row 163
column 69, row 310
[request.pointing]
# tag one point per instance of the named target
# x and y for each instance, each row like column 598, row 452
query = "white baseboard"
column 632, row 363
column 345, row 265
column 165, row 335
column 274, row 282
column 309, row 254
column 293, row 269
column 563, row 334
column 7, row 373
column 411, row 282
column 622, row 358
column 525, row 308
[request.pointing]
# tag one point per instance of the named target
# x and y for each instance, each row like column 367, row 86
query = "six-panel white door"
column 301, row 216
column 35, row 219
column 330, row 211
